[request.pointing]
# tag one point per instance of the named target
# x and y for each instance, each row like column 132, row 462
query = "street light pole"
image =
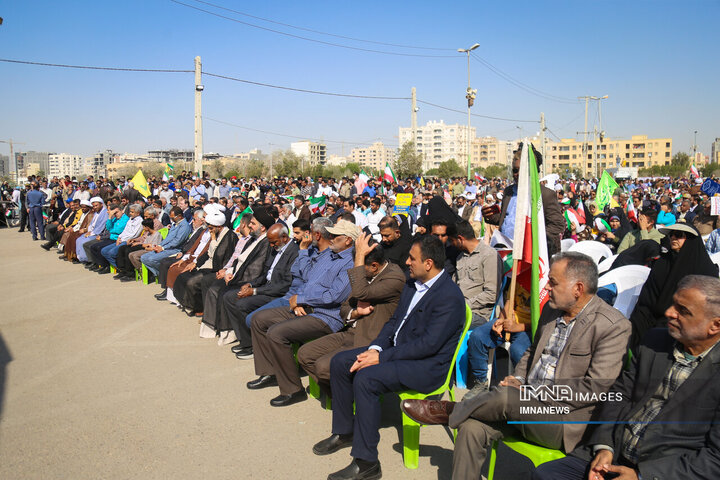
column 470, row 95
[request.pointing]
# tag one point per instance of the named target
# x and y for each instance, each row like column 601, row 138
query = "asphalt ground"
column 101, row 381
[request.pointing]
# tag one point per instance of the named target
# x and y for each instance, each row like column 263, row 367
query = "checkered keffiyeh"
column 638, row 423
column 543, row 373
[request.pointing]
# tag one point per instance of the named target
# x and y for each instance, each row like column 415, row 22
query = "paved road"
column 107, row 383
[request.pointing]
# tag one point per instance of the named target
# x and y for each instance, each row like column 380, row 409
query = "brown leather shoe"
column 428, row 412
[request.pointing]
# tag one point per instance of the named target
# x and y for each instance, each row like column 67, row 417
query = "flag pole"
column 510, row 313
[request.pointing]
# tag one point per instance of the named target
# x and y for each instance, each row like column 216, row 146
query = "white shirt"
column 360, row 219
column 326, row 190
column 276, row 259
column 132, row 229
column 420, row 291
column 374, row 218
column 203, row 241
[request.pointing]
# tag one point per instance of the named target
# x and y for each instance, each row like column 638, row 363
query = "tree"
column 496, row 170
column 408, row 162
column 254, row 168
column 353, row 167
column 681, row 159
column 286, row 164
column 449, row 169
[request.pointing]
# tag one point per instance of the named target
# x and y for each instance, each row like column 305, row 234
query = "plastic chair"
column 598, row 251
column 535, row 453
column 411, row 429
column 566, row 243
column 145, row 274
column 605, row 265
column 462, row 362
column 163, row 232
column 113, row 270
column 628, row 281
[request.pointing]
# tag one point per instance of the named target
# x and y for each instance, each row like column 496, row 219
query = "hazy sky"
column 656, row 60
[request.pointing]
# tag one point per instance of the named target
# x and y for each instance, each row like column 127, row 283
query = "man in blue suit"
column 413, row 351
column 177, row 234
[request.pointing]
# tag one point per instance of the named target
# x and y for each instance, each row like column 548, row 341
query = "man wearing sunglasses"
column 505, row 218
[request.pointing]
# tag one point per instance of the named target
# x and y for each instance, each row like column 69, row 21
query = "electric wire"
column 322, row 42
column 321, row 32
column 477, row 114
column 89, row 67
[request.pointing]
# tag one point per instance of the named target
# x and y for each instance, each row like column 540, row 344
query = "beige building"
column 375, row 156
column 312, row 153
column 487, row 151
column 438, row 142
column 638, row 151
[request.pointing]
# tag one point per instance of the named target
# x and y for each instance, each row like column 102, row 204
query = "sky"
column 655, row 60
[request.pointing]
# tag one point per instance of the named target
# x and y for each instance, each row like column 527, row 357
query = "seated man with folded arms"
column 177, row 234
column 579, row 347
column 125, row 270
column 413, row 350
column 314, row 311
column 198, row 229
column 272, row 283
column 132, row 230
column 663, row 422
column 375, row 287
column 151, row 237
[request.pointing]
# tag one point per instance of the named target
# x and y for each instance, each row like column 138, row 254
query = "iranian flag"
column 529, row 240
column 631, row 212
column 361, row 181
column 479, row 177
column 389, row 175
column 317, row 204
column 45, row 215
column 580, row 211
column 236, row 220
column 694, row 171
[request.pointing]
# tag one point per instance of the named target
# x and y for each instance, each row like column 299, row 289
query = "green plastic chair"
column 535, row 453
column 163, row 232
column 411, row 429
column 146, row 275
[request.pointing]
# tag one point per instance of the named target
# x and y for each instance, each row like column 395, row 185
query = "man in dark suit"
column 554, row 221
column 273, row 283
column 413, row 351
column 300, row 210
column 579, row 345
column 663, row 424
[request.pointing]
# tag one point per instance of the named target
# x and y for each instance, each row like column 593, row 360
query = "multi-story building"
column 312, row 152
column 374, row 156
column 97, row 164
column 254, row 154
column 715, row 151
column 4, row 165
column 171, row 156
column 487, row 151
column 41, row 158
column 438, row 143
column 638, row 151
column 65, row 164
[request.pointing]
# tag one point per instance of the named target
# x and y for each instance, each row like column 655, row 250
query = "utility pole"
column 413, row 116
column 542, row 142
column 470, row 95
column 585, row 132
column 198, row 117
column 12, row 157
column 693, row 159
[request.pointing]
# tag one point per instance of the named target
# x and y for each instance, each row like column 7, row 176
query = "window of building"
column 574, row 147
column 574, row 156
column 627, row 146
column 564, row 157
column 667, row 144
column 667, row 154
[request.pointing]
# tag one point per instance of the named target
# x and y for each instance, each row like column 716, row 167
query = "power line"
column 285, row 134
column 477, row 114
column 523, row 86
column 316, row 92
column 322, row 42
column 89, row 67
column 320, row 32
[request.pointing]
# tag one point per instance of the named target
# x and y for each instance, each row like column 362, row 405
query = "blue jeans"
column 278, row 302
column 482, row 339
column 110, row 253
column 152, row 259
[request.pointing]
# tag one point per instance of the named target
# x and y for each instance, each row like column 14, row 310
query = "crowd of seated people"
column 374, row 296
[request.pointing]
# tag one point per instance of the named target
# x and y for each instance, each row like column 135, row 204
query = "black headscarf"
column 665, row 274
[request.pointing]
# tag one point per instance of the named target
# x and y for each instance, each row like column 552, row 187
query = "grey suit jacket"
column 590, row 362
column 683, row 442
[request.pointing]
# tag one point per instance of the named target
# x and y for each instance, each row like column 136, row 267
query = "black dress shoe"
column 94, row 268
column 332, row 444
column 104, row 271
column 118, row 276
column 236, row 348
column 286, row 400
column 245, row 353
column 358, row 470
column 162, row 295
column 45, row 246
column 127, row 279
column 262, row 381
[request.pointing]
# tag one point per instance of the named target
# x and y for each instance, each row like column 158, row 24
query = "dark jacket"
column 281, row 277
column 684, row 439
column 254, row 265
column 428, row 338
column 223, row 252
column 554, row 221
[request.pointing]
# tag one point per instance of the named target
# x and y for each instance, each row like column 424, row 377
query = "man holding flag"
column 505, row 218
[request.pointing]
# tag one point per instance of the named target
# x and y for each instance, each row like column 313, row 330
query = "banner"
column 402, row 203
column 710, row 187
column 605, row 189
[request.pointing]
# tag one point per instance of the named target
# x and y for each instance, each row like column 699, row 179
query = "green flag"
column 236, row 222
column 317, row 204
column 605, row 190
